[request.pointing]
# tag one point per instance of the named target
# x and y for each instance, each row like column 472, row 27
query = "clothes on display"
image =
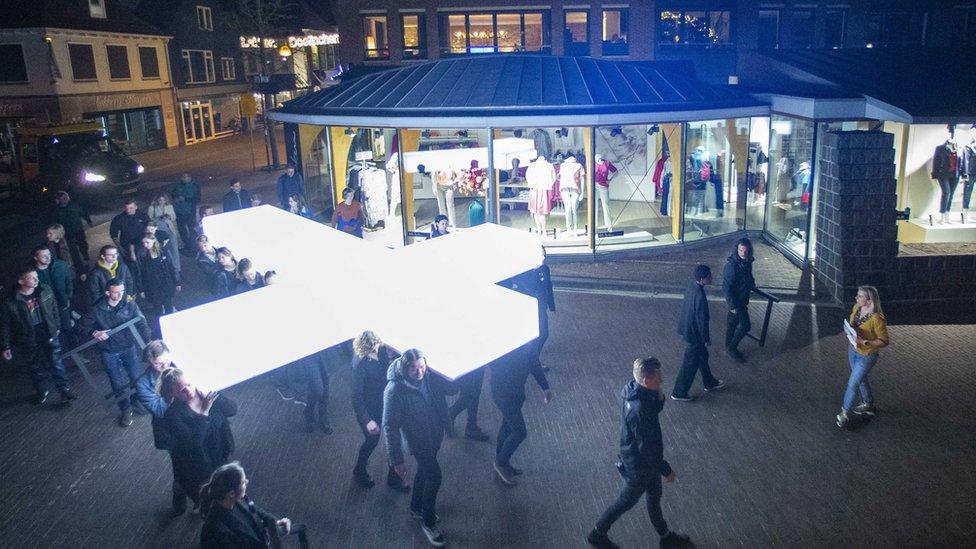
column 968, row 172
column 663, row 174
column 393, row 168
column 946, row 170
column 444, row 182
column 543, row 143
column 603, row 172
column 701, row 168
column 373, row 185
column 571, row 183
column 540, row 177
column 800, row 184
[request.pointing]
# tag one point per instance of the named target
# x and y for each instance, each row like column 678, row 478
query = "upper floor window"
column 414, row 35
column 13, row 68
column 494, row 32
column 376, row 37
column 694, row 27
column 149, row 62
column 893, row 28
column 204, row 18
column 82, row 58
column 576, row 32
column 96, row 8
column 801, row 28
column 768, row 29
column 835, row 27
column 227, row 69
column 198, row 66
column 963, row 24
column 616, row 24
column 118, row 62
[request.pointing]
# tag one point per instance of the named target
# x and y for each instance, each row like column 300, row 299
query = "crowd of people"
column 395, row 397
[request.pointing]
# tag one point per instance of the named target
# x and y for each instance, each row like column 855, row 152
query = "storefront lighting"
column 653, row 129
column 425, row 134
column 614, row 132
column 462, row 133
column 349, row 132
column 140, row 168
column 284, row 51
column 91, row 177
column 517, row 133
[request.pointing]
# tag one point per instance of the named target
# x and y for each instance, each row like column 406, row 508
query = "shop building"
column 64, row 61
column 207, row 67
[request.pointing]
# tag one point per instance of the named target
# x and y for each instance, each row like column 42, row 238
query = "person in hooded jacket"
column 106, row 268
column 693, row 327
column 415, row 413
column 737, row 284
column 642, row 462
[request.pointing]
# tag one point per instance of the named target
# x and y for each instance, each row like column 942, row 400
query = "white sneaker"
column 434, row 536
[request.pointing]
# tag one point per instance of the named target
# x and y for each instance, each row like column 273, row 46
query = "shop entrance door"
column 197, row 121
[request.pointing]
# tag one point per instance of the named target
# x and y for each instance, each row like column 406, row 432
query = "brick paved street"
column 759, row 465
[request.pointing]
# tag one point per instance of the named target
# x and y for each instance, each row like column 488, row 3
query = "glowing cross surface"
column 439, row 296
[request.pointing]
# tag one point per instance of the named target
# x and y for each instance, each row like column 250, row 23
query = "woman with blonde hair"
column 868, row 321
column 55, row 241
column 372, row 360
column 162, row 212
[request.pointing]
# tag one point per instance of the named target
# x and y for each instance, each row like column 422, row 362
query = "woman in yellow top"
column 868, row 321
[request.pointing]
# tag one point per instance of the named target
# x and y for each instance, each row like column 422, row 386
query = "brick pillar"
column 857, row 237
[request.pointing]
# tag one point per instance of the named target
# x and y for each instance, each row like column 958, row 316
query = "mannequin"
column 393, row 168
column 444, row 181
column 801, row 182
column 662, row 179
column 540, row 176
column 968, row 172
column 603, row 173
column 945, row 170
column 571, row 176
column 701, row 173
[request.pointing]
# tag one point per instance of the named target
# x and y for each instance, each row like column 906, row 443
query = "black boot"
column 362, row 478
column 394, row 481
column 323, row 415
column 310, row 417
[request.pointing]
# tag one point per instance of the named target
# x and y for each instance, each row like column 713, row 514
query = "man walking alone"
column 693, row 326
column 737, row 284
column 642, row 462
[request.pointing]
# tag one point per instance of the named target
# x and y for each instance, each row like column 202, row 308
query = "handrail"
column 770, row 299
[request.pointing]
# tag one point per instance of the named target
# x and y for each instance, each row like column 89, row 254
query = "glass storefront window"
column 757, row 173
column 375, row 38
column 317, row 164
column 790, row 182
column 507, row 31
column 700, row 28
column 715, row 167
column 135, row 131
column 637, row 166
column 616, row 23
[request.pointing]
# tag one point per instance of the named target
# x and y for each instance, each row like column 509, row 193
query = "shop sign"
column 125, row 101
column 294, row 42
column 9, row 110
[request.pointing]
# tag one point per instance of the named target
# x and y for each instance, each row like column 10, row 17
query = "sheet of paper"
column 851, row 333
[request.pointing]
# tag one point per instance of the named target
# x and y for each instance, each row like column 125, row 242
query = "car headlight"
column 140, row 168
column 91, row 177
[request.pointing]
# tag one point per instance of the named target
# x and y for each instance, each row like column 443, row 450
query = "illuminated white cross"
column 439, row 296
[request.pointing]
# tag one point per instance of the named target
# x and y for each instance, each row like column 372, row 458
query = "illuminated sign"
column 323, row 39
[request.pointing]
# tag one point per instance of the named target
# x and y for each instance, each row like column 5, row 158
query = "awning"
column 903, row 85
column 518, row 91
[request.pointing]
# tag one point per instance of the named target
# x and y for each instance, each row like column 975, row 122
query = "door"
column 197, row 121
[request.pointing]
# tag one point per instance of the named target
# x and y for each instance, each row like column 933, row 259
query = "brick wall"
column 857, row 239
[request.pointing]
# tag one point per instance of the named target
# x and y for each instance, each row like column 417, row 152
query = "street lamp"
column 284, row 51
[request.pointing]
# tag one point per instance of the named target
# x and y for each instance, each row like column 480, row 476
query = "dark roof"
column 929, row 84
column 519, row 85
column 71, row 14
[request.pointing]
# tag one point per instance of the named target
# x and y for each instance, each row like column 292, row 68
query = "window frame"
column 811, row 26
column 208, row 63
column 572, row 47
column 205, row 18
column 606, row 45
column 23, row 62
column 128, row 66
column 99, row 9
column 682, row 18
column 777, row 33
column 545, row 16
column 421, row 48
column 71, row 61
column 142, row 65
column 376, row 54
column 843, row 27
column 224, row 66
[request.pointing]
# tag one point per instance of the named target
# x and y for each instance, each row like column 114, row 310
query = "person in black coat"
column 237, row 198
column 127, row 228
column 508, row 376
column 106, row 268
column 642, row 462
column 207, row 262
column 415, row 412
column 737, row 284
column 316, row 368
column 232, row 519
column 225, row 278
column 693, row 327
column 370, row 365
column 198, row 430
column 160, row 279
column 248, row 278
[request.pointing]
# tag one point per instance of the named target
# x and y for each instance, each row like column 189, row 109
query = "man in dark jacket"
column 120, row 351
column 290, row 183
column 127, row 230
column 415, row 412
column 737, row 284
column 237, row 198
column 642, row 462
column 693, row 326
column 29, row 329
column 508, row 376
column 70, row 215
column 186, row 197
column 106, row 268
column 56, row 275
column 207, row 262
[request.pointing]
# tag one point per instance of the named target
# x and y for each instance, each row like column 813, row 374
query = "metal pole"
column 491, row 191
column 250, row 141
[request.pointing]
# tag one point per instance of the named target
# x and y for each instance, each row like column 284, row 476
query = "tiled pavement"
column 759, row 465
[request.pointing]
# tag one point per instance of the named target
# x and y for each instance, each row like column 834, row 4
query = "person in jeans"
column 693, row 327
column 71, row 215
column 29, row 330
column 120, row 351
column 106, row 268
column 868, row 321
column 737, row 285
column 469, row 396
column 642, row 462
column 415, row 411
column 290, row 184
column 127, row 229
column 186, row 197
column 56, row 275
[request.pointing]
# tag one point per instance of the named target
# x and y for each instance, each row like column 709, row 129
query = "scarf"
column 110, row 268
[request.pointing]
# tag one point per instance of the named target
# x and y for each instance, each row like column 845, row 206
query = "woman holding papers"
column 868, row 332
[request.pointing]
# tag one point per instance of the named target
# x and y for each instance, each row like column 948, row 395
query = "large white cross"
column 439, row 296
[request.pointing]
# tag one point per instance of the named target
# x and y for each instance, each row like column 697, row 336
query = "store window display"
column 757, row 173
column 791, row 182
column 319, row 188
column 716, row 177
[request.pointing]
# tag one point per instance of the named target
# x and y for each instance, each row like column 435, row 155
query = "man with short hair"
column 737, row 284
column 207, row 262
column 127, row 229
column 29, row 330
column 56, row 274
column 642, row 462
column 120, row 350
column 106, row 268
column 290, row 183
column 186, row 197
column 237, row 198
column 693, row 327
column 70, row 215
